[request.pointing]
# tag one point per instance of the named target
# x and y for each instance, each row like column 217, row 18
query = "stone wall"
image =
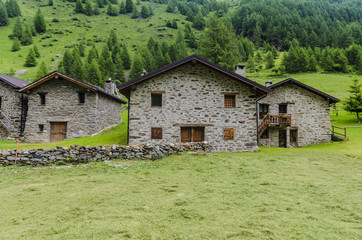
column 309, row 115
column 82, row 154
column 62, row 105
column 11, row 107
column 193, row 95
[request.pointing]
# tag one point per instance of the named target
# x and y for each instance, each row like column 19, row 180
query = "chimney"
column 268, row 83
column 240, row 69
column 144, row 72
column 110, row 86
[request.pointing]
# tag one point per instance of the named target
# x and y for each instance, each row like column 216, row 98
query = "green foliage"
column 118, row 69
column 190, row 37
column 137, row 68
column 42, row 71
column 354, row 101
column 4, row 21
column 111, row 11
column 18, row 29
column 217, row 43
column 50, row 3
column 39, row 22
column 122, row 8
column 30, row 59
column 81, row 49
column 78, row 7
column 36, row 51
column 93, row 75
column 198, row 22
column 12, row 8
column 269, row 60
column 126, row 59
column 67, row 62
column 88, row 10
column 250, row 64
column 26, row 38
column 170, row 7
column 76, row 68
column 135, row 13
column 129, row 6
column 144, row 12
column 16, row 45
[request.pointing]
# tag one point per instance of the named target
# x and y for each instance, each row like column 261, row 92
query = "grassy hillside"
column 79, row 27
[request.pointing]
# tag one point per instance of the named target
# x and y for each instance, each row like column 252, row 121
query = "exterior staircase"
column 6, row 122
column 274, row 120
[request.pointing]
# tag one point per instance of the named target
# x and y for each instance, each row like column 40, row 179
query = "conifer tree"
column 135, row 12
column 198, row 22
column 88, row 10
column 111, row 11
column 144, row 12
column 67, row 62
column 126, row 59
column 26, row 37
column 148, row 60
column 129, row 6
column 269, row 60
column 190, row 37
column 96, row 10
column 102, row 66
column 39, row 22
column 137, row 68
column 358, row 65
column 92, row 54
column 78, row 7
column 116, row 51
column 4, row 21
column 76, row 69
column 18, row 29
column 118, row 69
column 170, row 7
column 12, row 8
column 105, row 52
column 109, row 69
column 122, row 8
column 36, row 51
column 101, row 3
column 16, row 45
column 42, row 71
column 353, row 103
column 150, row 11
column 93, row 75
column 250, row 64
column 50, row 3
column 30, row 59
column 113, row 37
column 81, row 49
column 180, row 45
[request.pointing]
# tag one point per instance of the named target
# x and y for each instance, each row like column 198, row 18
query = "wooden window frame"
column 230, row 100
column 153, row 134
column 286, row 108
column 42, row 98
column 193, row 131
column 154, row 94
column 81, row 98
column 226, row 137
column 260, row 112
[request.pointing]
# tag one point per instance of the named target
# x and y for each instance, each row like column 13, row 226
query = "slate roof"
column 309, row 88
column 14, row 82
column 55, row 74
column 194, row 58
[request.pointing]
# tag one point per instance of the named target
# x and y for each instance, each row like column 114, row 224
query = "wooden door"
column 185, row 134
column 283, row 138
column 198, row 134
column 294, row 138
column 58, row 131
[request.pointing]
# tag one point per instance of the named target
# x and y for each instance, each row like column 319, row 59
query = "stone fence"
column 83, row 154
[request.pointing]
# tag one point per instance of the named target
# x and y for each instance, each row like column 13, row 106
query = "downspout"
column 257, row 117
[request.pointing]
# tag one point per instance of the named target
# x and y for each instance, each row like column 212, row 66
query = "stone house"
column 194, row 100
column 61, row 107
column 294, row 114
column 12, row 106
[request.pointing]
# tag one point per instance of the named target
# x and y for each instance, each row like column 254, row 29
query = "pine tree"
column 101, row 3
column 118, row 69
column 42, row 71
column 340, row 61
column 129, row 6
column 76, row 69
column 269, row 60
column 148, row 60
column 12, row 8
column 170, row 7
column 135, row 13
column 126, row 59
column 16, row 45
column 26, row 37
column 50, row 3
column 96, row 10
column 250, row 64
column 190, row 37
column 39, row 22
column 116, row 51
column 36, row 51
column 92, row 54
column 218, row 43
column 93, row 75
column 88, row 10
column 358, row 65
column 18, row 29
column 198, row 22
column 67, row 62
column 137, row 68
column 144, row 12
column 113, row 37
column 4, row 21
column 30, row 59
column 111, row 11
column 109, row 69
column 78, row 7
column 122, row 8
column 105, row 52
column 81, row 48
column 150, row 11
column 353, row 103
column 102, row 66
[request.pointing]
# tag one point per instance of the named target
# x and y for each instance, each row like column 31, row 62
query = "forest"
column 286, row 36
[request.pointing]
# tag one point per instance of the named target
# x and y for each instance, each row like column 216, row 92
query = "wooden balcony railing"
column 271, row 120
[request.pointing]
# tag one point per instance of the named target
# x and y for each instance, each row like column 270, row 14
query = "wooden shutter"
column 156, row 133
column 185, row 134
column 229, row 101
column 229, row 133
column 198, row 134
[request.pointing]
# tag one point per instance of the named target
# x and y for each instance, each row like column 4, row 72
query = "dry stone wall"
column 83, row 154
column 193, row 94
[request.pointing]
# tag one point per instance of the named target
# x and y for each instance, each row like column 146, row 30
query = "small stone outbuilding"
column 61, row 107
column 12, row 107
column 294, row 114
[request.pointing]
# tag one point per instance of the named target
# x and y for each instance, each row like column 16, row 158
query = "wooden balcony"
column 274, row 120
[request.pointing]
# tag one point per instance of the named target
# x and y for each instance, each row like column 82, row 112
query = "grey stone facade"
column 98, row 112
column 310, row 116
column 11, row 108
column 193, row 94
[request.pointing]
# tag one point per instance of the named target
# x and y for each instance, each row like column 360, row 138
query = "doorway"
column 283, row 138
column 58, row 131
column 294, row 138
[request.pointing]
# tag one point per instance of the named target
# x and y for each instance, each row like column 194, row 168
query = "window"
column 263, row 110
column 81, row 97
column 156, row 133
column 192, row 134
column 282, row 108
column 156, row 100
column 229, row 101
column 229, row 133
column 42, row 98
column 265, row 134
column 41, row 127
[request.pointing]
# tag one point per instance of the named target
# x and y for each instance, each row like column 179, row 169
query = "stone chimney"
column 268, row 83
column 144, row 72
column 110, row 86
column 240, row 69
